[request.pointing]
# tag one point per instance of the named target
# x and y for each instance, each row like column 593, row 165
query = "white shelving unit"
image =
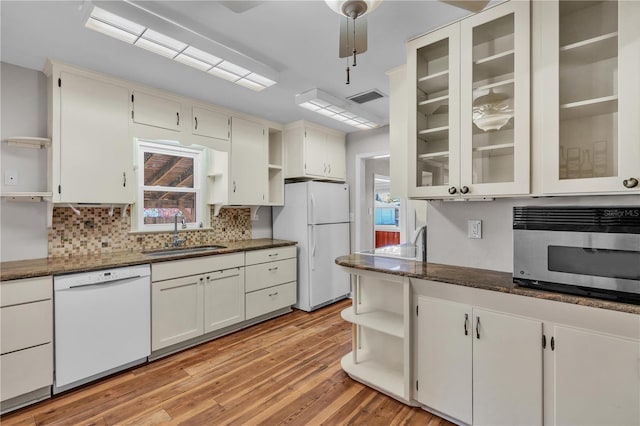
column 29, row 142
column 380, row 315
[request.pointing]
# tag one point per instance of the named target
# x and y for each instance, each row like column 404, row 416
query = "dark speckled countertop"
column 63, row 265
column 470, row 277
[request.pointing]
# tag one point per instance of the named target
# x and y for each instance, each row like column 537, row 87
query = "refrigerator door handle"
column 313, row 248
column 312, row 212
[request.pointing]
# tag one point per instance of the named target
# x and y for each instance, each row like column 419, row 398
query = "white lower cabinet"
column 223, row 298
column 176, row 311
column 478, row 366
column 270, row 280
column 596, row 378
column 184, row 308
column 26, row 360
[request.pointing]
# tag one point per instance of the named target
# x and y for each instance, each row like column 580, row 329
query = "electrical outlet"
column 474, row 229
column 10, row 177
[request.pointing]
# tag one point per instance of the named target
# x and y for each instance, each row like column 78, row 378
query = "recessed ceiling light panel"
column 338, row 109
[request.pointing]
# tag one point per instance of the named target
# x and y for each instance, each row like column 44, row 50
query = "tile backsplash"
column 95, row 232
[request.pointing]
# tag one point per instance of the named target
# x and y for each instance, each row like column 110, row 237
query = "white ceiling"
column 298, row 39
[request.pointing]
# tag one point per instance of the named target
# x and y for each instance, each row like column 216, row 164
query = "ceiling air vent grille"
column 367, row 96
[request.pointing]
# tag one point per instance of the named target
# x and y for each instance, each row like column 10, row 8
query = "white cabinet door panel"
column 96, row 156
column 444, row 339
column 211, row 124
column 587, row 393
column 249, row 159
column 336, row 157
column 176, row 311
column 156, row 111
column 507, row 369
column 315, row 156
column 25, row 371
column 223, row 298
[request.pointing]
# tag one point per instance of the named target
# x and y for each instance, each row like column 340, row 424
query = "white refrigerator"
column 316, row 215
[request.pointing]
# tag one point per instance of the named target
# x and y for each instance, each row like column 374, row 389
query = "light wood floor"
column 283, row 371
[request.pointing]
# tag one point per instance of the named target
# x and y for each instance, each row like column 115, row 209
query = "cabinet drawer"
column 270, row 299
column 26, row 290
column 23, row 326
column 198, row 265
column 25, row 371
column 265, row 275
column 269, row 255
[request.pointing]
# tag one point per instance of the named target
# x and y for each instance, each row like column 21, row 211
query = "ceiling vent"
column 367, row 96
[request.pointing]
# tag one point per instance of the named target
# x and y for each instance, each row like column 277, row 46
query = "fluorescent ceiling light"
column 381, row 156
column 341, row 110
column 132, row 33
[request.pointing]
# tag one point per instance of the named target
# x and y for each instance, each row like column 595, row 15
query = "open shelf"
column 29, row 142
column 432, row 106
column 434, row 134
column 384, row 322
column 433, row 155
column 495, row 85
column 495, row 150
column 26, row 196
column 494, row 65
column 435, row 82
column 592, row 50
column 589, row 107
column 374, row 373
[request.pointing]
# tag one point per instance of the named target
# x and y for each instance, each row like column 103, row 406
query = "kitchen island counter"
column 470, row 277
column 71, row 264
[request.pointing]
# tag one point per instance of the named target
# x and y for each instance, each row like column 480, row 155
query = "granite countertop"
column 63, row 265
column 471, row 277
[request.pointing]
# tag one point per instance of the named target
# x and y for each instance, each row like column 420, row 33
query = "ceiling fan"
column 353, row 30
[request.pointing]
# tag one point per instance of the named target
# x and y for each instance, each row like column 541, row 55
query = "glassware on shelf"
column 600, row 158
column 573, row 163
column 586, row 166
column 492, row 111
column 563, row 163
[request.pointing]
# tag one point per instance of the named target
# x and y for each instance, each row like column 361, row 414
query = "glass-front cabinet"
column 591, row 119
column 469, row 106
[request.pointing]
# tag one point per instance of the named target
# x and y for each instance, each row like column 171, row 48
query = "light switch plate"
column 474, row 229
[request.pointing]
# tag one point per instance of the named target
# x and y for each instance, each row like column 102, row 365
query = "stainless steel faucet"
column 423, row 247
column 177, row 242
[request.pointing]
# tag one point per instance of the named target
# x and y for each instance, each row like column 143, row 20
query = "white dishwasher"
column 102, row 323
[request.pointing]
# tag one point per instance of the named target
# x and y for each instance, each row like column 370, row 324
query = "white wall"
column 447, row 228
column 23, row 112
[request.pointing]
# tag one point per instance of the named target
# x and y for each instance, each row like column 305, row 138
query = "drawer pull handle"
column 273, row 254
column 477, row 327
column 273, row 269
column 466, row 324
column 273, row 294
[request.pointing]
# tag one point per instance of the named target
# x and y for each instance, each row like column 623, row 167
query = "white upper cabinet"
column 588, row 62
column 211, row 124
column 156, row 111
column 314, row 152
column 92, row 156
column 469, row 112
column 248, row 174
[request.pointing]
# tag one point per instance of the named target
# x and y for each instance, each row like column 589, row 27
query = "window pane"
column 161, row 206
column 168, row 170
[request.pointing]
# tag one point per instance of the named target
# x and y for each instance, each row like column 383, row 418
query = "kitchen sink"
column 399, row 251
column 182, row 250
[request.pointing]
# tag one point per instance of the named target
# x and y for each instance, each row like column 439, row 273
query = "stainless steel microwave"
column 590, row 251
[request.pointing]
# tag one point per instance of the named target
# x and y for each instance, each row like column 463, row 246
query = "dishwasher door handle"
column 102, row 284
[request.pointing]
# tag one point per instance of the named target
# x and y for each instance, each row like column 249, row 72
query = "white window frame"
column 176, row 150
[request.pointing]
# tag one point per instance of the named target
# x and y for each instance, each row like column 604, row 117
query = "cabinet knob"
column 464, row 190
column 453, row 190
column 630, row 183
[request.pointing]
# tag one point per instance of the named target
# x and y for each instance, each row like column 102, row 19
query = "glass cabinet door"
column 433, row 73
column 595, row 144
column 495, row 71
